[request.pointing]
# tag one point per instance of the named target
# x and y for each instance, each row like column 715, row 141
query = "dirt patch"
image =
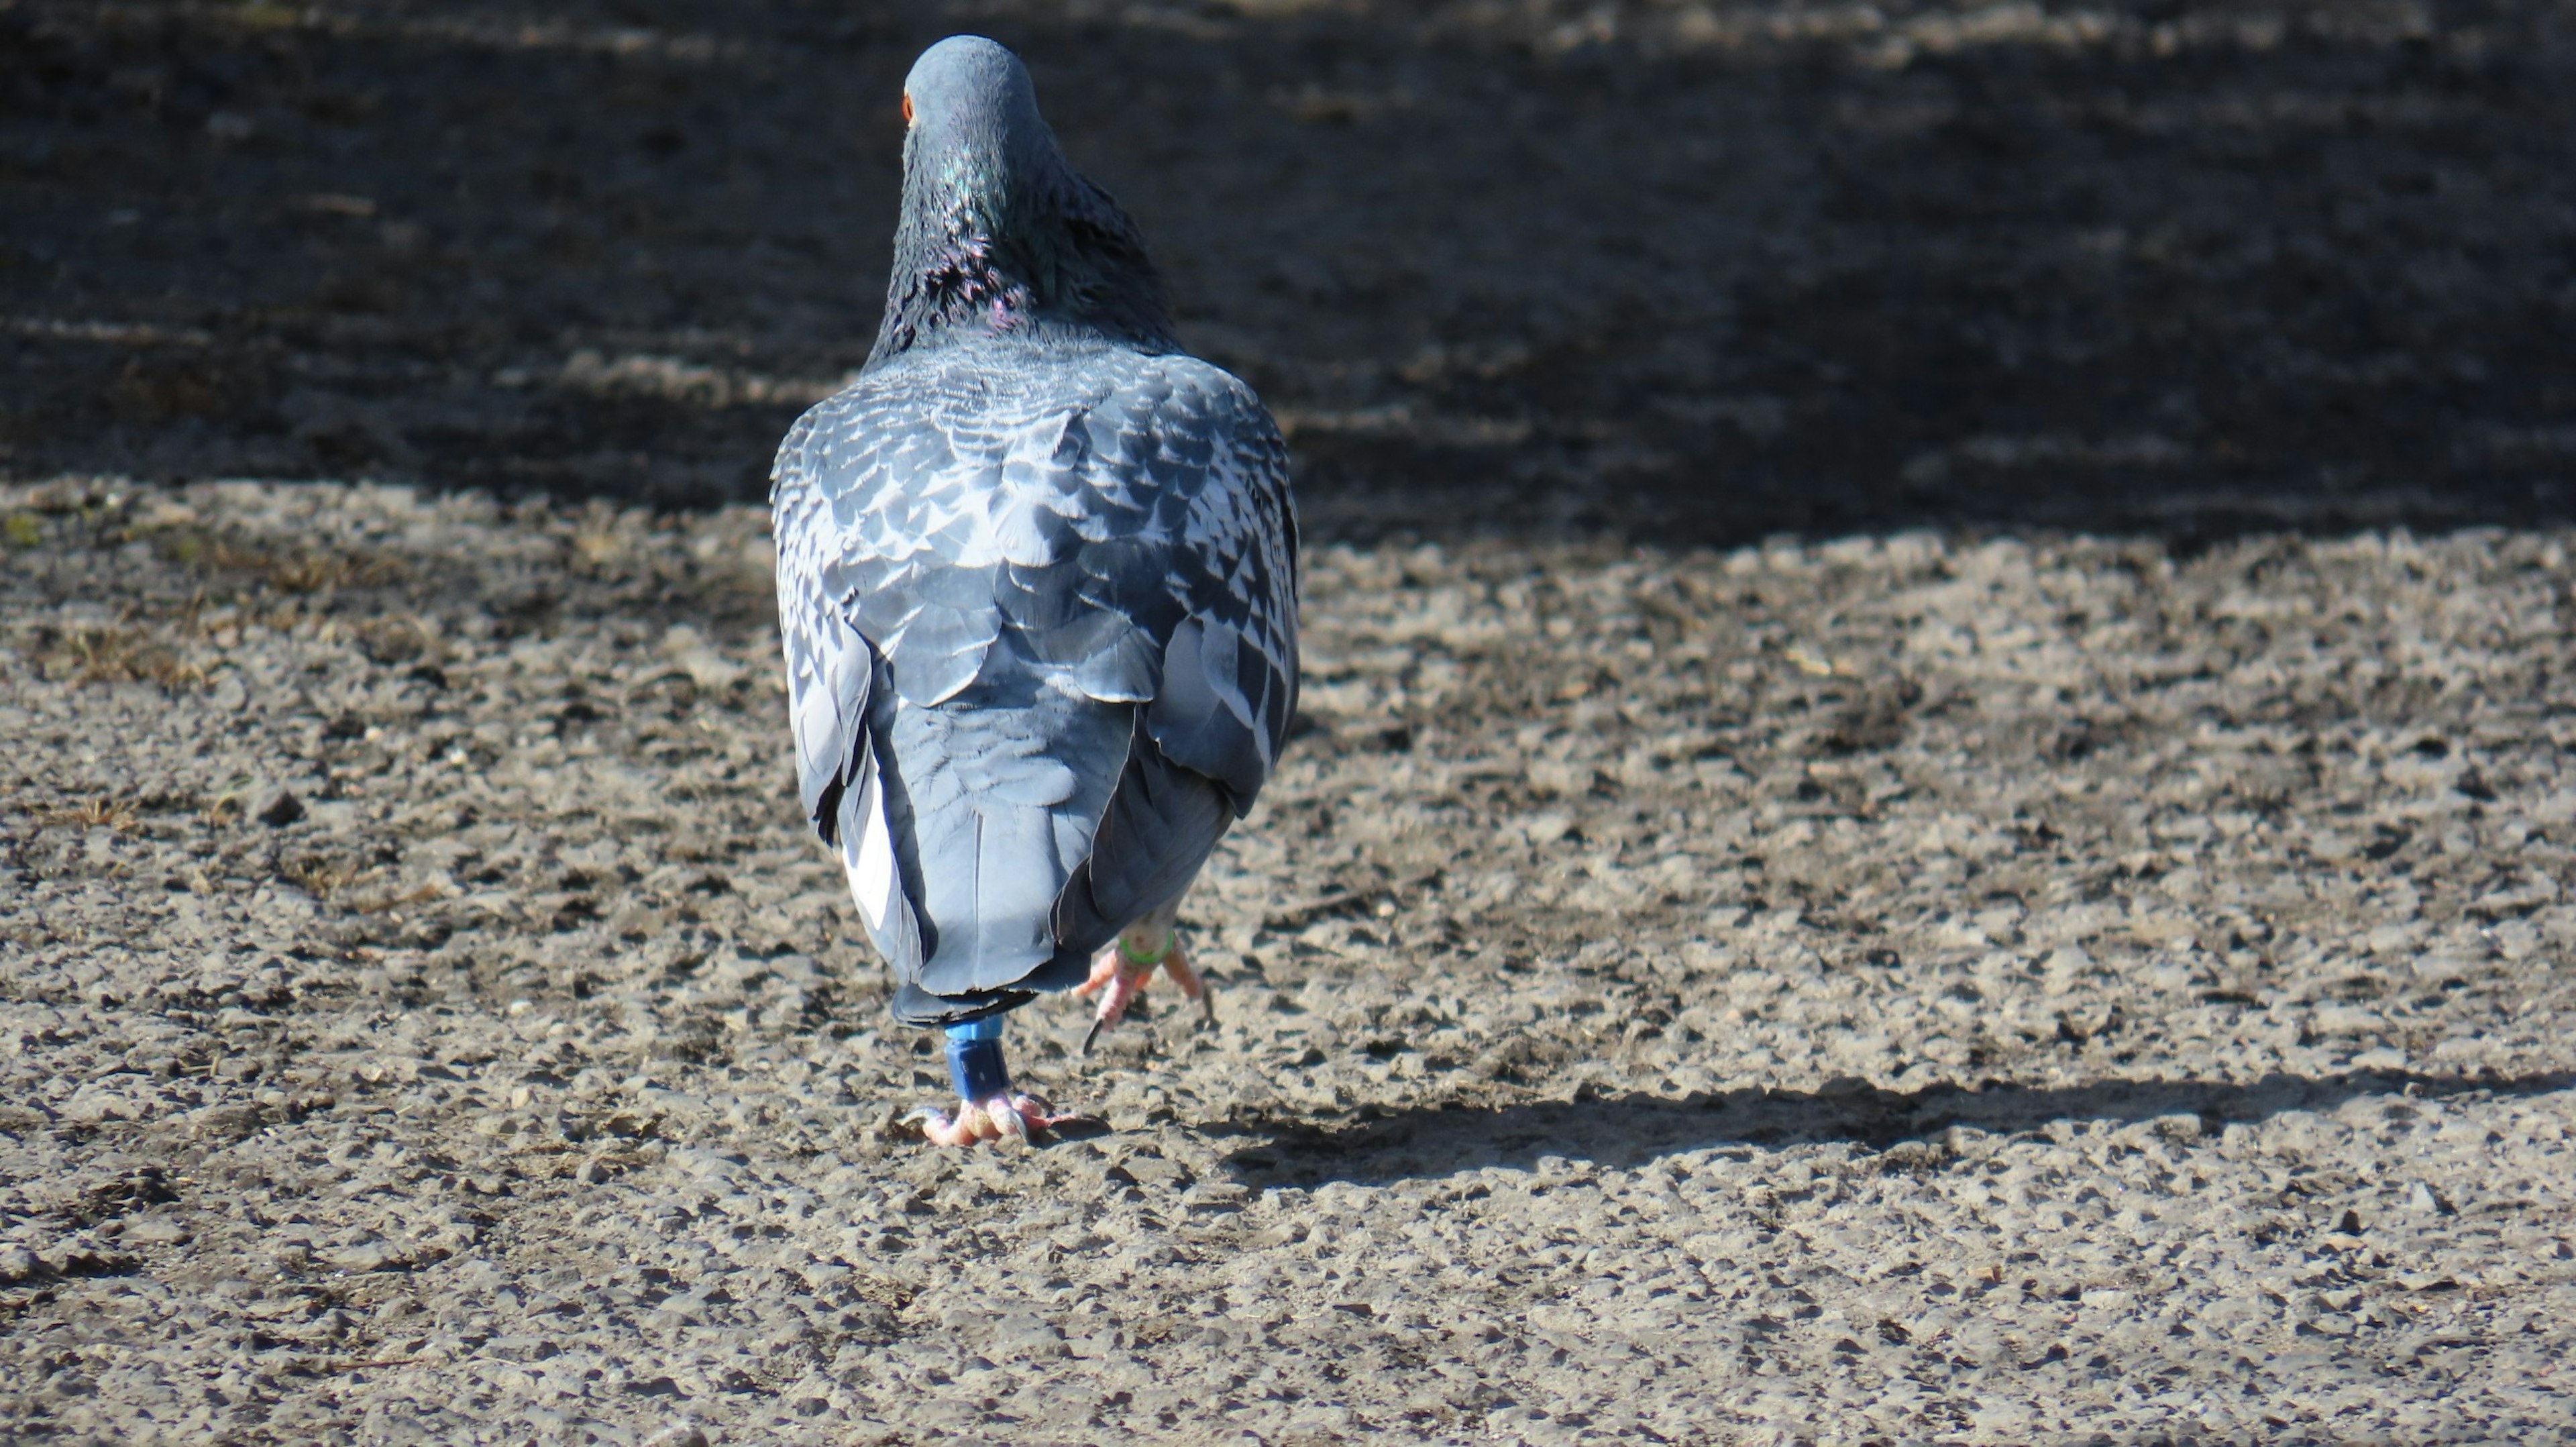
column 1899, row 989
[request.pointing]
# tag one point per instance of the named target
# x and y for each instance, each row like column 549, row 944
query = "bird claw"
column 1119, row 981
column 1015, row 1118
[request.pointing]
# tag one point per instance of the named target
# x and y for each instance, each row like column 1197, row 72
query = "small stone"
column 373, row 1256
column 154, row 1231
column 2181, row 1128
column 1214, row 1197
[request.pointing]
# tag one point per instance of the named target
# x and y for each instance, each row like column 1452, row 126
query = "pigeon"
column 1037, row 595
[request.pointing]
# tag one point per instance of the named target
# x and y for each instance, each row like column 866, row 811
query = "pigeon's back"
column 1039, row 603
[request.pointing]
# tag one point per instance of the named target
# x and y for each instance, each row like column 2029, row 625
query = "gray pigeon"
column 1037, row 588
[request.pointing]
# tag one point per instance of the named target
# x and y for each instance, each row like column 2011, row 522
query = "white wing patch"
column 869, row 858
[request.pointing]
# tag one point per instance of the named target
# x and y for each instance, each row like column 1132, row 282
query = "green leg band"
column 1149, row 961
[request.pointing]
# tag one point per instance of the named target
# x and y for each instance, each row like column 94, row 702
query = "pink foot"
column 1016, row 1116
column 1119, row 978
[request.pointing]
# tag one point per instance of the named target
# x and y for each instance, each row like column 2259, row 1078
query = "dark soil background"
column 1693, row 273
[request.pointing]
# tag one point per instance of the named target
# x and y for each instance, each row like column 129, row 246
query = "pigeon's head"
column 999, row 233
column 969, row 105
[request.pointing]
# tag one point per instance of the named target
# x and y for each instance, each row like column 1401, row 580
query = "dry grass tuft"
column 322, row 877
column 297, row 571
column 111, row 653
column 102, row 812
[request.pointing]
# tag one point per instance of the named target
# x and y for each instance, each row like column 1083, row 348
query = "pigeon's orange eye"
column 907, row 109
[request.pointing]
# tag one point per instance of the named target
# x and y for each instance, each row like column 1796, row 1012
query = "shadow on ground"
column 1622, row 1132
column 1689, row 273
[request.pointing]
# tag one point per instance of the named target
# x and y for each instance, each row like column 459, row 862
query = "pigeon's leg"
column 987, row 1107
column 1121, row 972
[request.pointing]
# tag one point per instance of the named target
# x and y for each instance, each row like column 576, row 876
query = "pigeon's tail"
column 1142, row 854
column 993, row 799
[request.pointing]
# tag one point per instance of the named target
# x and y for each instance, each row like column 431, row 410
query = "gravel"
column 1919, row 987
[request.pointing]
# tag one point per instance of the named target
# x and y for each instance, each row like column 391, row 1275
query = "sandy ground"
column 1903, row 989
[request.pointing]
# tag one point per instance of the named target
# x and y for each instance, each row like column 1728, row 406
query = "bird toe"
column 939, row 1130
column 1009, row 1126
column 1016, row 1119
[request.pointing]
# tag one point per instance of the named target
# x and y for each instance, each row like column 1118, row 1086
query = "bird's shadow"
column 1625, row 1131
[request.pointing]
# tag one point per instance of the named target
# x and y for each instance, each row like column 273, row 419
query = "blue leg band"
column 975, row 1059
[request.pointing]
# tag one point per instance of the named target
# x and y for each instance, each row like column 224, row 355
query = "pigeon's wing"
column 1230, row 666
column 1163, row 822
column 834, row 675
column 1209, row 575
column 1213, row 582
